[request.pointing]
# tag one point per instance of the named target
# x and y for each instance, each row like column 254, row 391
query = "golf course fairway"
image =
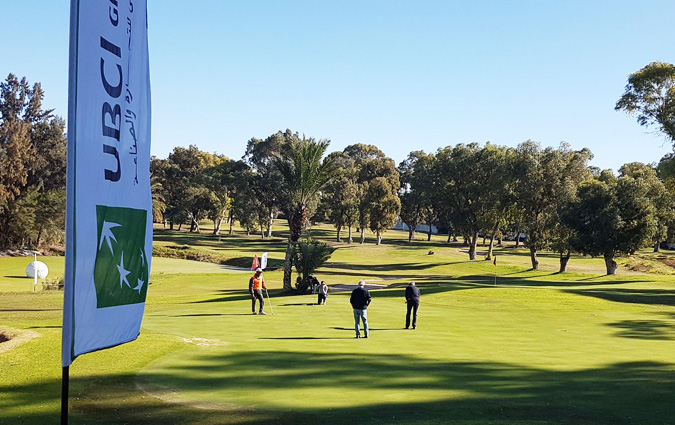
column 536, row 348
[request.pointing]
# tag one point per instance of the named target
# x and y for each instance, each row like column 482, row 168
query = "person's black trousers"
column 322, row 298
column 412, row 306
column 257, row 294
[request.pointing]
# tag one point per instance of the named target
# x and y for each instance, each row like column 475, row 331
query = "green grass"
column 539, row 348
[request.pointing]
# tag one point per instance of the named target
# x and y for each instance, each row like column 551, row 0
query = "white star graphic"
column 107, row 234
column 123, row 272
column 139, row 286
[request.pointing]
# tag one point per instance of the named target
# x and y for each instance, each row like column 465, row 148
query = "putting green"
column 512, row 349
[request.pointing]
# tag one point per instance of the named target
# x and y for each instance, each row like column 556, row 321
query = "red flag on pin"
column 256, row 264
column 495, row 261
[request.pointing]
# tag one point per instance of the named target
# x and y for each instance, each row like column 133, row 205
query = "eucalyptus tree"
column 650, row 95
column 370, row 163
column 303, row 175
column 611, row 216
column 341, row 194
column 222, row 180
column 546, row 180
column 410, row 195
column 261, row 155
column 385, row 206
column 469, row 177
column 186, row 195
column 663, row 200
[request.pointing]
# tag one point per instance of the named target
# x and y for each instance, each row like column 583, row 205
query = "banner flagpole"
column 108, row 197
column 66, row 328
column 65, row 383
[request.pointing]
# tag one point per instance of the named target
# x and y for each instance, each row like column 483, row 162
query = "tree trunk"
column 533, row 257
column 564, row 258
column 467, row 240
column 610, row 264
column 411, row 233
column 483, row 239
column 217, row 224
column 449, row 238
column 296, row 222
column 171, row 225
column 262, row 232
column 499, row 241
column 339, row 228
column 492, row 244
column 231, row 224
column 517, row 239
column 429, row 231
column 472, row 246
column 454, row 238
column 379, row 237
column 363, row 235
column 657, row 247
column 180, row 226
column 350, row 240
column 269, row 226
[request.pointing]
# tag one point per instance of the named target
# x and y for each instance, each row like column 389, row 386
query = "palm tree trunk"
column 379, row 237
column 296, row 222
column 350, row 240
column 363, row 235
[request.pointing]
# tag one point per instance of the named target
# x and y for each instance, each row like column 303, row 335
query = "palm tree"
column 307, row 257
column 303, row 176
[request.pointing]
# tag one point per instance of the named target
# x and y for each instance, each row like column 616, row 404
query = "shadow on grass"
column 645, row 329
column 632, row 296
column 211, row 314
column 455, row 392
column 339, row 328
column 304, row 337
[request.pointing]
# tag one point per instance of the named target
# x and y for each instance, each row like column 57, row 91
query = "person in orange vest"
column 255, row 287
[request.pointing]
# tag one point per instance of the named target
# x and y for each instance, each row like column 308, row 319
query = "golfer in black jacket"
column 412, row 298
column 360, row 301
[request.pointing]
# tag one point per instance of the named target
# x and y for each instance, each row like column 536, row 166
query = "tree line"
column 470, row 190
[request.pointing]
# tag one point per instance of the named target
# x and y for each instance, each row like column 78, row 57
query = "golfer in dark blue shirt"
column 360, row 301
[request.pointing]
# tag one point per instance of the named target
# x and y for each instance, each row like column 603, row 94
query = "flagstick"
column 65, row 381
column 270, row 301
column 35, row 272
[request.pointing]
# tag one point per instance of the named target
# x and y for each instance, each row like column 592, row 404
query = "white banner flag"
column 263, row 261
column 109, row 206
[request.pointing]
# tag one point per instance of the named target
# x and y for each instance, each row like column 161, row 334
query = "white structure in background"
column 40, row 267
column 37, row 269
column 421, row 228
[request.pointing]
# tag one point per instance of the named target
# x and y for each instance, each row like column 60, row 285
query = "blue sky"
column 402, row 75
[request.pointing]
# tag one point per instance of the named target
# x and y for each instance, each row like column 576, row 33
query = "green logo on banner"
column 121, row 270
